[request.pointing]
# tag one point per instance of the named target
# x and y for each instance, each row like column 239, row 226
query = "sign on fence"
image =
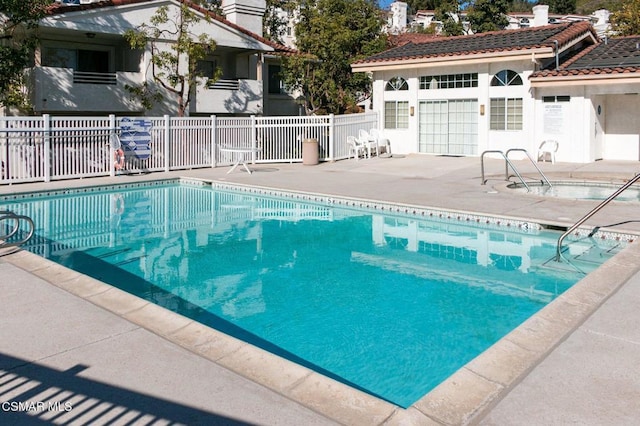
column 135, row 137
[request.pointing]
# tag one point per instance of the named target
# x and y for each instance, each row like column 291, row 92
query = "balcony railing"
column 229, row 84
column 81, row 77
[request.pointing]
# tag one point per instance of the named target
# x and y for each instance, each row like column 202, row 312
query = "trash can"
column 310, row 152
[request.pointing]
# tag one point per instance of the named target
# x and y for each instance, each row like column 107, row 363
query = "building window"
column 448, row 81
column 397, row 83
column 207, row 68
column 506, row 114
column 396, row 115
column 506, row 78
column 556, row 98
column 77, row 59
column 276, row 86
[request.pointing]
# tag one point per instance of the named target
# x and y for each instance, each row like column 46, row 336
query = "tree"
column 520, row 6
column 448, row 13
column 414, row 5
column 488, row 15
column 585, row 7
column 626, row 20
column 562, row 7
column 175, row 55
column 275, row 24
column 17, row 17
column 333, row 33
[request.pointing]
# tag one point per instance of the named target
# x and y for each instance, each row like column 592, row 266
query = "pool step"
column 118, row 257
column 582, row 257
column 111, row 253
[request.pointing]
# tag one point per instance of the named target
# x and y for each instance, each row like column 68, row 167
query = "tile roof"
column 404, row 38
column 489, row 42
column 612, row 56
column 59, row 8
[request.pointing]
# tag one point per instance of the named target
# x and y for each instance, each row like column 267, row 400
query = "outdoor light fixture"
column 411, row 111
column 482, row 109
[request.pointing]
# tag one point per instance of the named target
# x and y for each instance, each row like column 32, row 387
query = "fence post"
column 332, row 124
column 254, row 139
column 167, row 143
column 214, row 141
column 112, row 153
column 46, row 127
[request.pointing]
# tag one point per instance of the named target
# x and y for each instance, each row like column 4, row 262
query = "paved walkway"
column 92, row 348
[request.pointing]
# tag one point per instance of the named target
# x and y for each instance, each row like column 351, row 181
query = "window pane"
column 496, row 121
column 275, row 84
column 514, row 114
column 58, row 57
column 390, row 115
column 403, row 115
column 93, row 61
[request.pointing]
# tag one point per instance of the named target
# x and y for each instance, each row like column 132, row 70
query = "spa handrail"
column 506, row 166
column 544, row 178
column 591, row 213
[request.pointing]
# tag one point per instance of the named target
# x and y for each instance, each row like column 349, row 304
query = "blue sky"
column 384, row 3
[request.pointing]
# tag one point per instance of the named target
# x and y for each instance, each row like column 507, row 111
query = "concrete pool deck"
column 66, row 337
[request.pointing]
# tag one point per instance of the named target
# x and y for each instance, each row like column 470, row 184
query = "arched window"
column 506, row 78
column 397, row 83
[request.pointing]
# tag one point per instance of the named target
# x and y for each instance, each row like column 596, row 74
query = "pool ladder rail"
column 591, row 213
column 12, row 234
column 508, row 163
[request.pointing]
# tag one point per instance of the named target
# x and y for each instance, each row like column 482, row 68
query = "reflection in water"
column 390, row 304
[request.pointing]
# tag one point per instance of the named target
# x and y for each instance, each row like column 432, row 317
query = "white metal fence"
column 41, row 149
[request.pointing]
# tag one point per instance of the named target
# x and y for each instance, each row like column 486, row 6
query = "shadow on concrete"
column 33, row 394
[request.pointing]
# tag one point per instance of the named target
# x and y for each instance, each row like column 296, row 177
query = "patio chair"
column 382, row 141
column 548, row 148
column 369, row 142
column 355, row 147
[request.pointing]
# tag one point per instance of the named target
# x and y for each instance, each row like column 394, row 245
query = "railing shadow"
column 33, row 394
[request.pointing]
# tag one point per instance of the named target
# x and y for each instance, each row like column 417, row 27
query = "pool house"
column 511, row 89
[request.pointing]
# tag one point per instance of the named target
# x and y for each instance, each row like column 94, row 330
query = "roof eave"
column 583, row 80
column 502, row 56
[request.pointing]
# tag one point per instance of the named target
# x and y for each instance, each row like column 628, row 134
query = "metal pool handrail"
column 6, row 215
column 544, row 178
column 591, row 213
column 508, row 163
column 506, row 166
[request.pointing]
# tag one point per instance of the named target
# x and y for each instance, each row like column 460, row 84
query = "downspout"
column 555, row 42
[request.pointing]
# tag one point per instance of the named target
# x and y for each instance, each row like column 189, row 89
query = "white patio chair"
column 355, row 147
column 369, row 142
column 381, row 140
column 548, row 148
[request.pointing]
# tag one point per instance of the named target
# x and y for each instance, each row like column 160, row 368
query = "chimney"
column 399, row 16
column 245, row 13
column 540, row 15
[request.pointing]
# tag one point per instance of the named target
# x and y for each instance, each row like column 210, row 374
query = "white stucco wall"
column 622, row 141
column 599, row 121
column 406, row 141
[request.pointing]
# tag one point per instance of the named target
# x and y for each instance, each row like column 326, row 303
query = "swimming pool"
column 424, row 296
column 580, row 191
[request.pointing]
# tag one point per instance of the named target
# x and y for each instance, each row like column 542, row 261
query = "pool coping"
column 463, row 398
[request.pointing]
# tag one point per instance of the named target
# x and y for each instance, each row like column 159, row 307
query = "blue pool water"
column 391, row 305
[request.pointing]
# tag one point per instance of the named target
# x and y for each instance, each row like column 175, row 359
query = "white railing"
column 41, row 149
